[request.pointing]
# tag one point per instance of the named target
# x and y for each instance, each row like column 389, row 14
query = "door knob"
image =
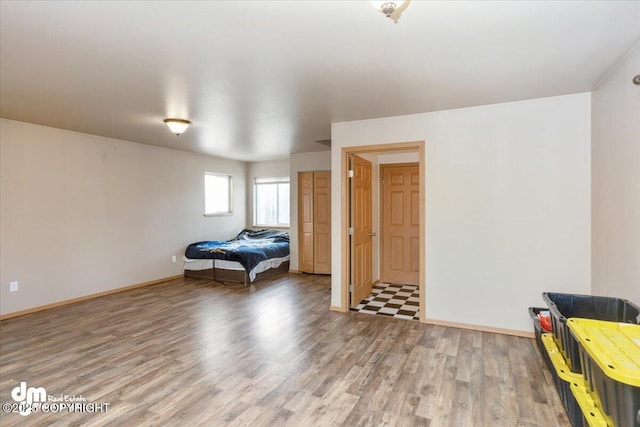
column 372, row 234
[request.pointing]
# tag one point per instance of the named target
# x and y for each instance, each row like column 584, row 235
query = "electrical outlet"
column 173, row 258
column 13, row 286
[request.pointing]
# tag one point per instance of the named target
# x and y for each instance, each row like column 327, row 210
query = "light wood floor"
column 189, row 352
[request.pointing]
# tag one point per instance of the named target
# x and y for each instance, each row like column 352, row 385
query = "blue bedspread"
column 249, row 248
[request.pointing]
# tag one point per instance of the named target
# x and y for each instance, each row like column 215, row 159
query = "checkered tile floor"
column 393, row 300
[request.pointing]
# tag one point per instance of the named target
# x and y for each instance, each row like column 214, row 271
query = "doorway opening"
column 383, row 249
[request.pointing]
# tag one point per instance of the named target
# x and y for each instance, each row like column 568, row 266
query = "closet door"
column 400, row 220
column 322, row 222
column 305, row 221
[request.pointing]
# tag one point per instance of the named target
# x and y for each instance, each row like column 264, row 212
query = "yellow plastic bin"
column 563, row 378
column 592, row 416
column 565, row 306
column 610, row 360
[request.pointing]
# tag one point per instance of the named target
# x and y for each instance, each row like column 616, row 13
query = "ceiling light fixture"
column 177, row 126
column 391, row 8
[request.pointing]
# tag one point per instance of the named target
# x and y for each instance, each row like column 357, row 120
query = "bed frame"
column 235, row 276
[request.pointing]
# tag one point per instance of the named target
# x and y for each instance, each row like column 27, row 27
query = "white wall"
column 507, row 204
column 385, row 159
column 270, row 169
column 615, row 147
column 81, row 214
column 302, row 162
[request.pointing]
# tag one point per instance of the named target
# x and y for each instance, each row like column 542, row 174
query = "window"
column 218, row 194
column 271, row 202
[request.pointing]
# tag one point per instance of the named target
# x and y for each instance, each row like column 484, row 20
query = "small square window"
column 218, row 194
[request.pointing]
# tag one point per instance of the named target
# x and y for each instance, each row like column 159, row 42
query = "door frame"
column 345, row 251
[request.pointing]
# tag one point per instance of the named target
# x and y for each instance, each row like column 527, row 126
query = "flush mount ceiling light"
column 391, row 8
column 177, row 126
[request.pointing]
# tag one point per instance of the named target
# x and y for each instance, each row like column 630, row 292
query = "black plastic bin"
column 565, row 306
column 533, row 313
column 610, row 360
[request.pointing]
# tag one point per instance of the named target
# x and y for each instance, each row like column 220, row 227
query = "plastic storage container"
column 533, row 313
column 564, row 306
column 563, row 378
column 591, row 415
column 610, row 357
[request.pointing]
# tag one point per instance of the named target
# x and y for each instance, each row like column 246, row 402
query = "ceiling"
column 262, row 79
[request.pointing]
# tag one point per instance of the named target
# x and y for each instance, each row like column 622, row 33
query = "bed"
column 250, row 256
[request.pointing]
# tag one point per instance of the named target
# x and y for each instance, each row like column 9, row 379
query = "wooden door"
column 322, row 222
column 305, row 221
column 361, row 253
column 400, row 224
